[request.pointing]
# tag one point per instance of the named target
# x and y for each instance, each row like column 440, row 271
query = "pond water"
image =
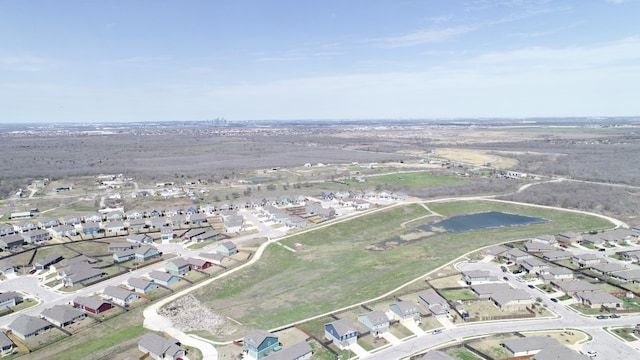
column 485, row 220
column 259, row 179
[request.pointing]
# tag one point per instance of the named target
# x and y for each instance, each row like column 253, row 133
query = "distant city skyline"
column 136, row 61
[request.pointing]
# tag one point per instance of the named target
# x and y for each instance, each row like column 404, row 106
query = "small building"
column 63, row 231
column 137, row 224
column 115, row 226
column 516, row 255
column 556, row 273
column 140, row 239
column 6, row 229
column 36, row 236
column 177, row 267
column 63, row 315
column 405, row 310
column 93, row 305
column 534, row 266
column 432, row 301
column 215, row 258
column 48, row 223
column 71, row 220
column 11, row 242
column 512, row 299
column 192, row 234
column 473, row 277
column 120, row 246
column 83, row 276
column 9, row 299
column 209, row 235
column 6, row 345
column 545, row 239
column 160, row 348
column 198, row 264
column 141, row 254
column 258, row 344
column 198, row 219
column 607, row 268
column 141, row 285
column 598, row 299
column 375, row 322
column 570, row 287
column 298, row 351
column 90, row 228
column 484, row 291
column 120, row 296
column 341, row 332
column 26, row 326
column 163, row 278
column 47, row 261
column 556, row 255
column 568, row 238
column 584, row 260
column 529, row 345
column 166, row 234
column 234, row 224
column 226, row 248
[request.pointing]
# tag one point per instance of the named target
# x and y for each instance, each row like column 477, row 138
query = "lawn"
column 413, row 180
column 458, row 294
column 625, row 333
column 463, row 354
column 333, row 267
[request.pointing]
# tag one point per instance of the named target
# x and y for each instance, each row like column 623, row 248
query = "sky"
column 158, row 60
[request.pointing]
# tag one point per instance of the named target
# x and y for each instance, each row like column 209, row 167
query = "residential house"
column 257, row 344
column 315, row 208
column 473, row 277
column 7, row 266
column 93, row 217
column 137, row 224
column 178, row 220
column 172, row 211
column 117, row 215
column 226, row 248
column 298, row 351
column 198, row 219
column 570, row 287
column 585, row 260
column 118, row 295
column 234, row 224
column 26, row 326
column 556, row 273
column 627, row 275
column 591, row 239
column 90, row 228
column 63, row 315
column 215, row 258
column 158, row 222
column 160, row 348
column 568, row 238
column 632, row 255
column 296, row 222
column 163, row 278
column 512, row 299
column 208, row 209
column 405, row 310
column 433, row 302
column 6, row 345
column 556, row 255
column 523, row 346
column 538, row 247
column 375, row 321
column 190, row 210
column 227, row 214
column 25, row 226
column 341, row 332
column 209, row 235
column 545, row 239
column 6, row 230
column 63, row 231
column 154, row 213
column 198, row 264
column 534, row 266
column 560, row 352
column 516, row 255
column 47, row 261
column 360, row 204
column 193, row 234
column 11, row 242
column 48, row 223
column 598, row 299
column 114, row 226
column 82, row 276
column 141, row 285
column 71, row 220
column 121, row 246
column 166, row 234
column 485, row 290
column 178, row 266
column 36, row 236
column 9, row 299
column 141, row 254
column 134, row 214
column 92, row 304
column 140, row 239
column 607, row 268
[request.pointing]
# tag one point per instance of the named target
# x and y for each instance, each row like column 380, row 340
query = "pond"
column 485, row 220
column 259, row 179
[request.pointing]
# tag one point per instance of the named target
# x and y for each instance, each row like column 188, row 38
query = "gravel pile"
column 188, row 314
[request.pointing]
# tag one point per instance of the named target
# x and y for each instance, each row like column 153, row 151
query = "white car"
column 592, row 354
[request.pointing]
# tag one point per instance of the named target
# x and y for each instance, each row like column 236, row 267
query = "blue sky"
column 99, row 61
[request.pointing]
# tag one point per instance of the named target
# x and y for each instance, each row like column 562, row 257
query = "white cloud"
column 423, row 37
column 25, row 63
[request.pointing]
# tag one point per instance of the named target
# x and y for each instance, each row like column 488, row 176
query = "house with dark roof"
column 92, row 304
column 120, row 296
column 62, row 315
column 257, row 344
column 341, row 332
column 9, row 299
column 163, row 278
column 47, row 261
column 375, row 322
column 141, row 285
column 26, row 326
column 405, row 310
column 178, row 266
column 192, row 234
column 11, row 241
column 160, row 348
column 226, row 248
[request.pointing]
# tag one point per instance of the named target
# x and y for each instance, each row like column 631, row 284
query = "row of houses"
column 364, row 194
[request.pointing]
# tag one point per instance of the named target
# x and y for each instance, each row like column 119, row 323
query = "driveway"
column 358, row 350
column 411, row 325
column 392, row 339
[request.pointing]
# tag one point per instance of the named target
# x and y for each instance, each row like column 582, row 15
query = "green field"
column 412, row 180
column 332, row 268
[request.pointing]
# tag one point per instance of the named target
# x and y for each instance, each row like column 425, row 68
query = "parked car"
column 554, row 300
column 505, row 278
column 592, row 354
column 518, row 271
column 436, row 331
column 602, row 249
column 614, row 316
column 601, row 317
column 503, row 268
column 531, row 286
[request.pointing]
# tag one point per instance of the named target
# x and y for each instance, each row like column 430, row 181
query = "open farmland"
column 331, row 266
